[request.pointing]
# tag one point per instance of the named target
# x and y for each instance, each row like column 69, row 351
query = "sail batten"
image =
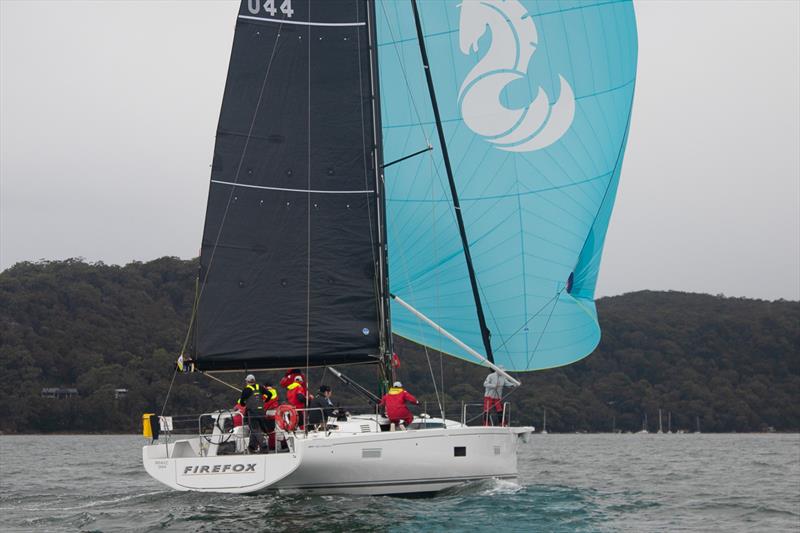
column 313, row 191
column 302, row 22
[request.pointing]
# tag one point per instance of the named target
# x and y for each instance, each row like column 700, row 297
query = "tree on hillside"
column 732, row 362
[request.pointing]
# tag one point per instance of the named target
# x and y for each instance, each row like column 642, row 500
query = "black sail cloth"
column 290, row 245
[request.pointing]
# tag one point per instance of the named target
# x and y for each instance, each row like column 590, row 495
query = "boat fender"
column 286, row 417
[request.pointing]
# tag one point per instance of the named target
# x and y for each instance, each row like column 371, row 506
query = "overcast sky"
column 108, row 112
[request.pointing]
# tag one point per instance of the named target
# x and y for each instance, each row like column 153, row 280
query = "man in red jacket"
column 395, row 402
column 296, row 396
column 288, row 379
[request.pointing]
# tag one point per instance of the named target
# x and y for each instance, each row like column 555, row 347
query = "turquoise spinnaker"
column 535, row 100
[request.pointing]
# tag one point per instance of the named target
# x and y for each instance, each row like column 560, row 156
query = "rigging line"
column 436, row 285
column 422, row 336
column 241, row 160
column 438, row 177
column 531, row 318
column 219, row 380
column 409, row 218
column 442, row 405
column 529, row 360
column 427, row 142
column 194, row 313
column 364, row 137
column 421, row 333
column 441, row 375
column 485, row 333
column 420, row 326
column 498, row 330
column 166, row 398
column 308, row 209
column 403, row 70
column 433, row 379
column 379, row 308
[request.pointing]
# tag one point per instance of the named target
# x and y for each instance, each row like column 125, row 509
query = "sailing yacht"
column 442, row 171
column 643, row 431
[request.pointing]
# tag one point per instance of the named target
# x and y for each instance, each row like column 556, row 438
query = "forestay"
column 535, row 98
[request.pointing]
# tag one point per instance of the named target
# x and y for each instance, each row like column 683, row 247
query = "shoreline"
column 787, row 432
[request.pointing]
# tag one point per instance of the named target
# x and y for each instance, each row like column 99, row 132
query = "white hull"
column 341, row 462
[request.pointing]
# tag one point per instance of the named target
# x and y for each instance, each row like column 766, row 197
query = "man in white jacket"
column 492, row 398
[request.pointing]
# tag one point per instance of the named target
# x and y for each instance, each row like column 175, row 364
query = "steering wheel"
column 219, row 424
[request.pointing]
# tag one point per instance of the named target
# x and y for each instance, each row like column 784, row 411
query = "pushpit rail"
column 484, row 416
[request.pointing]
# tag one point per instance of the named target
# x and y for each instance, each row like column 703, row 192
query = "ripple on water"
column 567, row 483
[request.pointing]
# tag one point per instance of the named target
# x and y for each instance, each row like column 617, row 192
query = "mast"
column 485, row 333
column 377, row 161
column 384, row 306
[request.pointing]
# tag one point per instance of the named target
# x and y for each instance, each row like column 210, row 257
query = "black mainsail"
column 292, row 265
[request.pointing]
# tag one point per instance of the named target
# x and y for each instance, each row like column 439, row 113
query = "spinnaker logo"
column 193, row 470
column 514, row 40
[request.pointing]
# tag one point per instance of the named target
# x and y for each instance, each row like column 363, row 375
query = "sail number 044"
column 254, row 6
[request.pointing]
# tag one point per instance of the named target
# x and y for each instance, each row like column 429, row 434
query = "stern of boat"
column 218, row 462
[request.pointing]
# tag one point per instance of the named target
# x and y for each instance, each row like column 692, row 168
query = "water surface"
column 567, row 483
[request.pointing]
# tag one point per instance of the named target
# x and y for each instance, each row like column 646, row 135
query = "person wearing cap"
column 288, row 379
column 252, row 399
column 493, row 387
column 296, row 396
column 270, row 405
column 322, row 407
column 395, row 402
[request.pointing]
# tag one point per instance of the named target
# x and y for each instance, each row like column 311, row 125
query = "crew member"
column 270, row 404
column 492, row 397
column 252, row 399
column 324, row 408
column 288, row 379
column 296, row 396
column 395, row 402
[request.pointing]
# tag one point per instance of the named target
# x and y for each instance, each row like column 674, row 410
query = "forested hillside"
column 731, row 363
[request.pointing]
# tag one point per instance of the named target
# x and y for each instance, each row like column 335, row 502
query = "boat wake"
column 112, row 501
column 486, row 487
